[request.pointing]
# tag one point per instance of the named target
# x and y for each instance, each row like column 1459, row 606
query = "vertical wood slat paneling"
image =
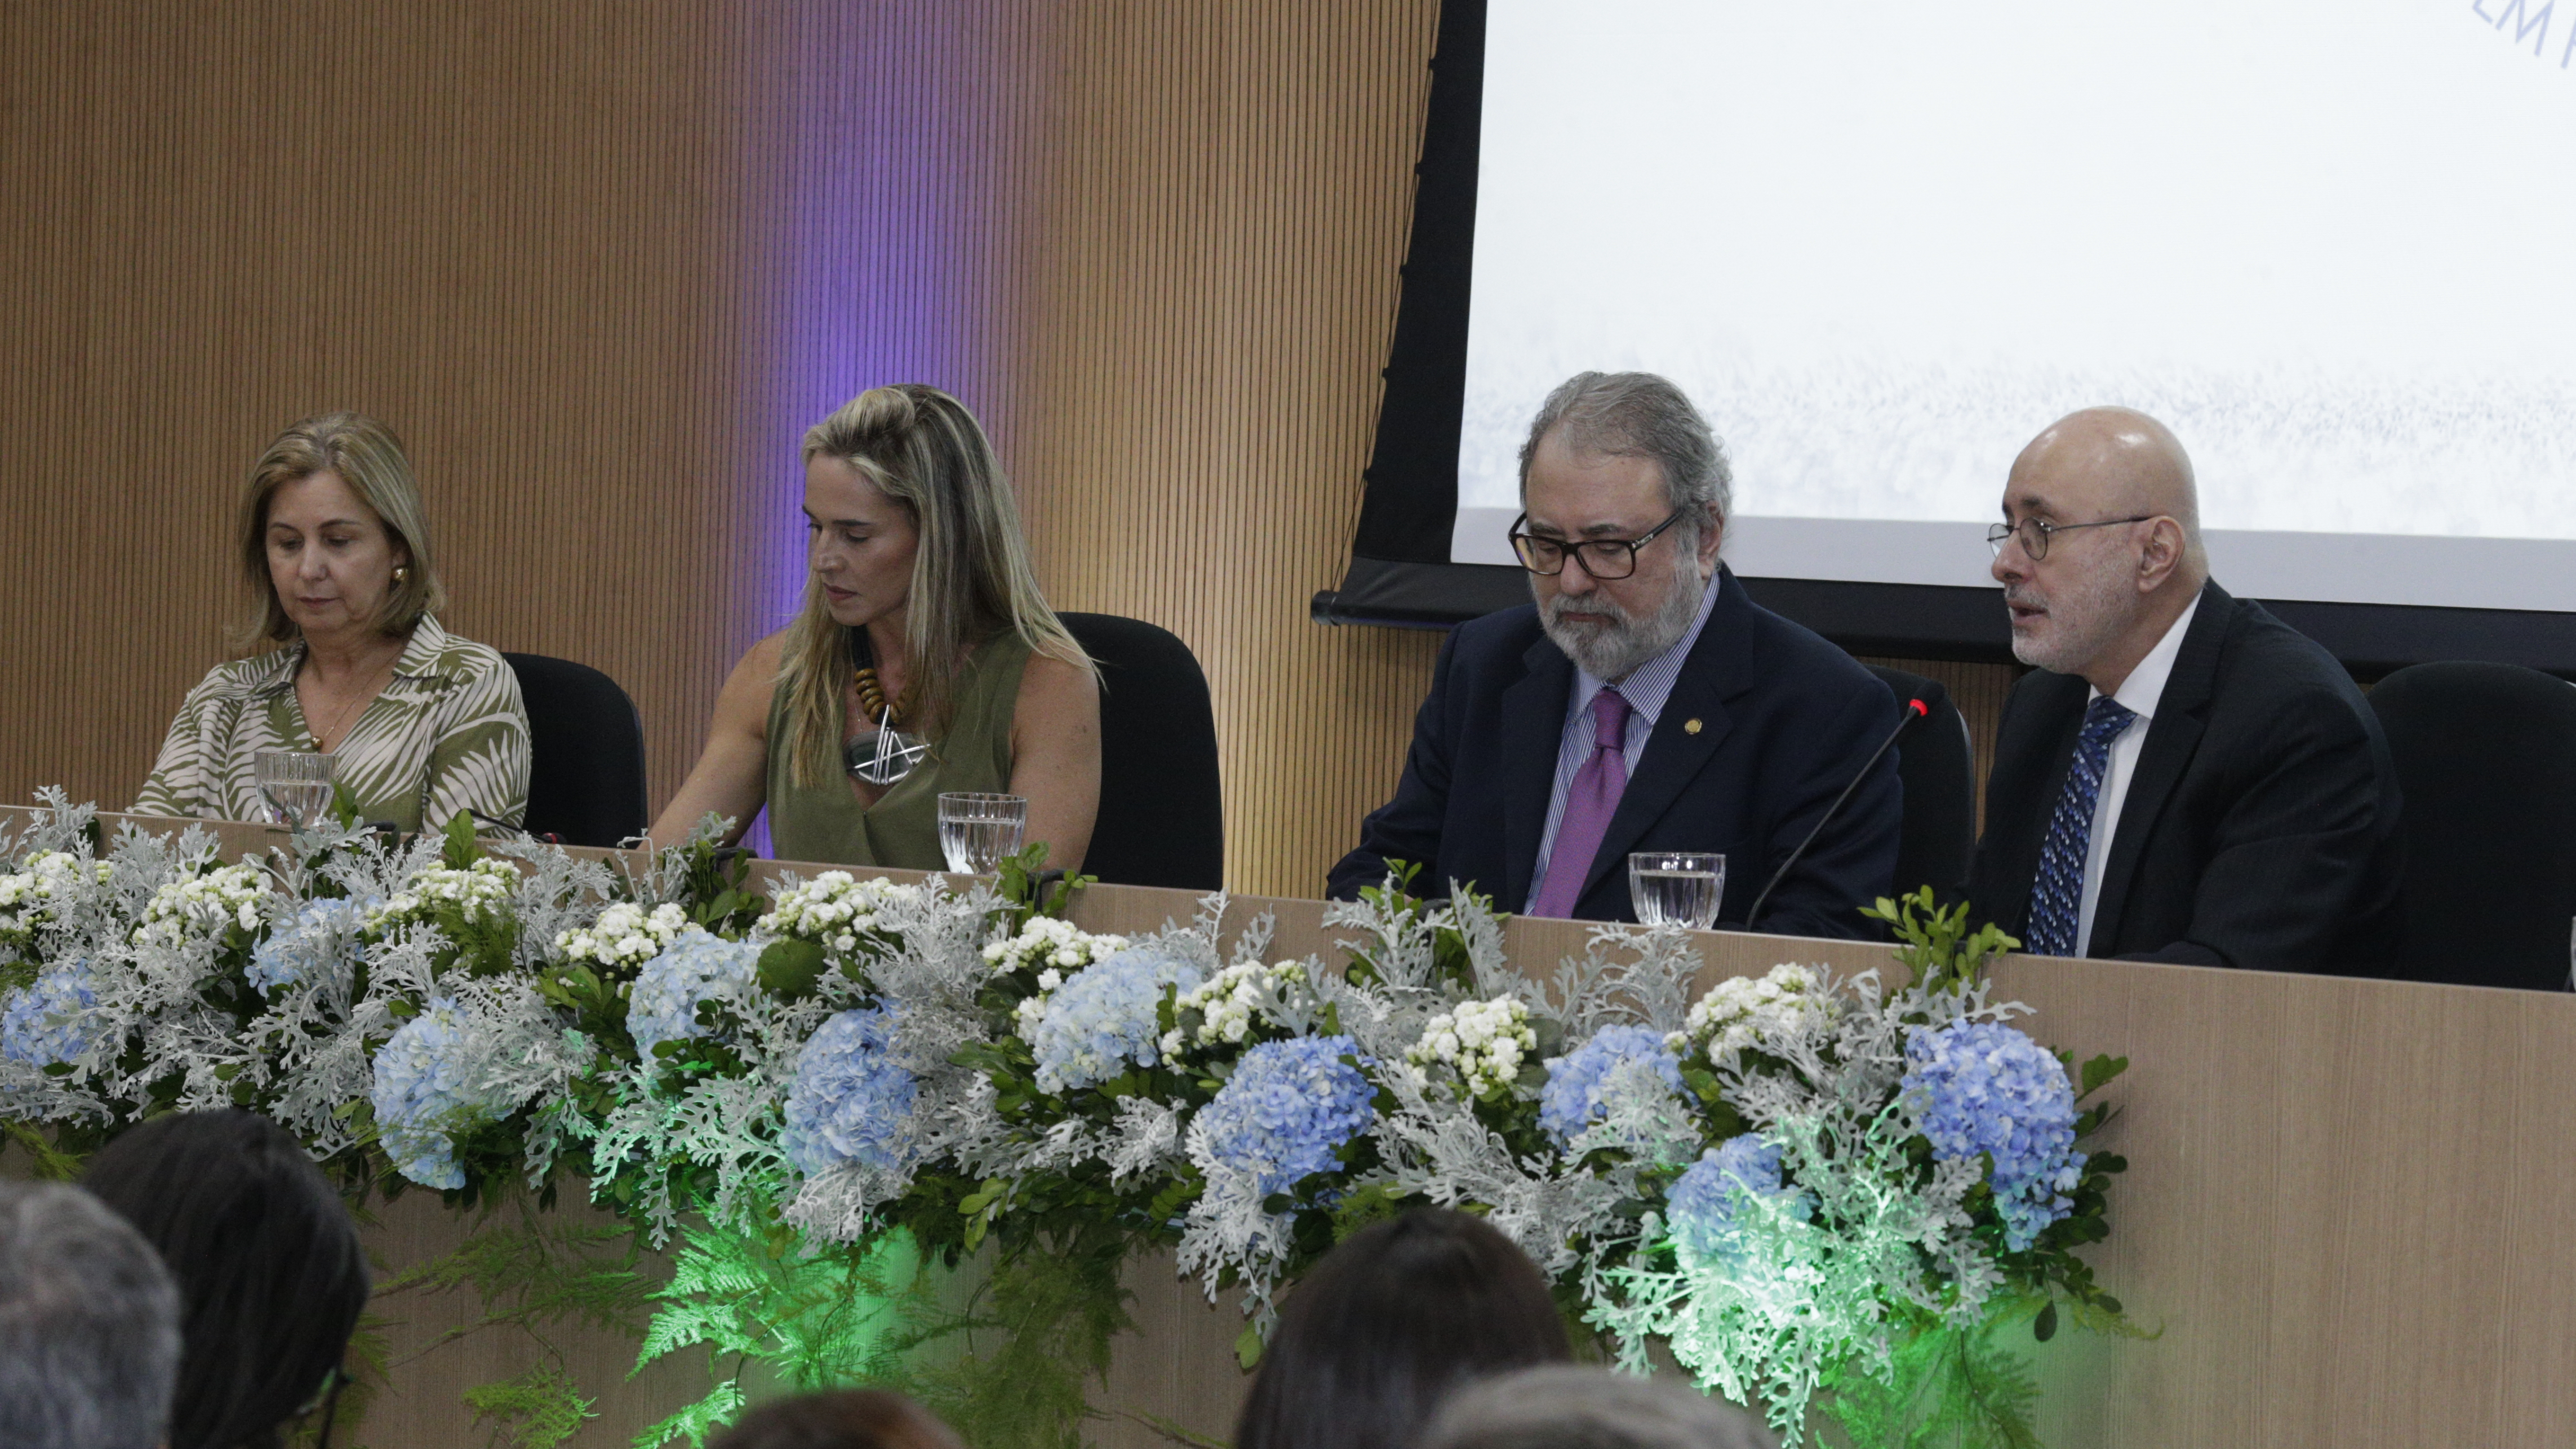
column 494, row 225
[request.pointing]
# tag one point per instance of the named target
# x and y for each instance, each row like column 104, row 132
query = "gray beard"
column 1613, row 651
column 2089, row 613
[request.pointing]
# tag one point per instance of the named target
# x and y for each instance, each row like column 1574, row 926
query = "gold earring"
column 401, row 572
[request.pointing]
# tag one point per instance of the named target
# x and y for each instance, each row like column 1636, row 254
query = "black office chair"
column 1162, row 814
column 1938, row 764
column 586, row 781
column 2486, row 756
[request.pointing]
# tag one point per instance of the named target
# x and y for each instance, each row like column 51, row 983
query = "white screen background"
column 2331, row 242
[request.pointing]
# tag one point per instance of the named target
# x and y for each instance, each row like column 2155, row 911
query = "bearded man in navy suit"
column 1641, row 702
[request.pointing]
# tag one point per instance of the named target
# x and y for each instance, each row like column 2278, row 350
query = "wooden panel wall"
column 501, row 227
column 600, row 263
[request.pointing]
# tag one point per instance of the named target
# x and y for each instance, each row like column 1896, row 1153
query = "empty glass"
column 977, row 831
column 1677, row 887
column 296, row 784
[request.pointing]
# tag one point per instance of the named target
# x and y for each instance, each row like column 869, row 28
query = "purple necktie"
column 1588, row 808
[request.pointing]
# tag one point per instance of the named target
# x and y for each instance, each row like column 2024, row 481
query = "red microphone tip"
column 1918, row 706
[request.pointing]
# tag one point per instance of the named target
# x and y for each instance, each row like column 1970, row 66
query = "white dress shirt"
column 2138, row 694
column 1646, row 688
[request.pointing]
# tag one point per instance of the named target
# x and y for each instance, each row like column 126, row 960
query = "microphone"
column 1917, row 708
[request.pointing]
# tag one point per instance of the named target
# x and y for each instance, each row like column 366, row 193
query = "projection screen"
column 2332, row 243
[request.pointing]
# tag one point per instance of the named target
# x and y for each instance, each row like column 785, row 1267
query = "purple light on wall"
column 878, row 215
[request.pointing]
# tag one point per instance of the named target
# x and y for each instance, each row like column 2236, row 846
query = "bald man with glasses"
column 1640, row 702
column 2183, row 777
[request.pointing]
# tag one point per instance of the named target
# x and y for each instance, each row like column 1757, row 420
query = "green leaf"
column 2044, row 1327
column 460, row 850
column 789, row 968
column 1247, row 1348
column 2098, row 1073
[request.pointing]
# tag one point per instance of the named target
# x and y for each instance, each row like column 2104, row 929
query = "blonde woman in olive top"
column 919, row 600
column 335, row 549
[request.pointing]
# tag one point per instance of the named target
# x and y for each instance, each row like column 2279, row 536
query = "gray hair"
column 1639, row 415
column 1568, row 1407
column 89, row 1324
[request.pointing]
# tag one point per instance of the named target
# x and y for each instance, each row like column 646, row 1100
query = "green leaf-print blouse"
column 447, row 734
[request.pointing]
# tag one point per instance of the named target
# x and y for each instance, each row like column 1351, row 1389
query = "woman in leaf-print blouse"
column 335, row 550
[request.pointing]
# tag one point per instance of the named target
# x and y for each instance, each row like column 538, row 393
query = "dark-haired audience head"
column 89, row 1325
column 271, row 1277
column 1389, row 1324
column 849, row 1419
column 1582, row 1408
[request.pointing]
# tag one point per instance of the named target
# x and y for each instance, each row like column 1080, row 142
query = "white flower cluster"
column 835, row 910
column 1228, row 1002
column 225, row 896
column 483, row 889
column 26, row 894
column 1485, row 1042
column 625, row 936
column 1764, row 1013
column 1050, row 947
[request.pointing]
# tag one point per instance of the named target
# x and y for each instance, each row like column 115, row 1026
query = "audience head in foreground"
column 2183, row 778
column 89, row 1325
column 1390, row 1323
column 1641, row 701
column 922, row 620
column 846, row 1419
column 334, row 549
column 267, row 1260
column 1585, row 1408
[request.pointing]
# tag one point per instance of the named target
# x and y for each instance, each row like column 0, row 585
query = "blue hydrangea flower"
column 423, row 1094
column 310, row 945
column 1571, row 1100
column 1702, row 1207
column 1288, row 1105
column 691, row 971
column 1104, row 1018
column 848, row 1102
column 1987, row 1088
column 48, row 1020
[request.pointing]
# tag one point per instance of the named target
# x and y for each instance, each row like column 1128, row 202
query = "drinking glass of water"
column 976, row 831
column 1676, row 887
column 296, row 784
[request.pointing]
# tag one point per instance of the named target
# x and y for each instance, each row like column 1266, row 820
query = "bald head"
column 2109, row 463
column 2115, row 556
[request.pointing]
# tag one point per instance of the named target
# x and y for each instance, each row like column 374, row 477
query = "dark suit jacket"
column 1785, row 721
column 2260, row 827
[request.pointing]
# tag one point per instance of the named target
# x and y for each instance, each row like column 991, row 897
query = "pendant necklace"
column 885, row 754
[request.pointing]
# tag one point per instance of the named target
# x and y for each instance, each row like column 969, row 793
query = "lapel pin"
column 1690, row 726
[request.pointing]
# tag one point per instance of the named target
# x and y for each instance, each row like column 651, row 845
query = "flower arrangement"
column 1819, row 1192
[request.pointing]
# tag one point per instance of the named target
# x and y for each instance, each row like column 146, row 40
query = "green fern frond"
column 537, row 1410
column 698, row 1420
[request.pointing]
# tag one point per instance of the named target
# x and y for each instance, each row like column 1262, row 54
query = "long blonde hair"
column 366, row 455
column 971, row 576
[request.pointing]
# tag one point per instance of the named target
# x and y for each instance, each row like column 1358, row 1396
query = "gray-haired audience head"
column 89, row 1325
column 1618, row 457
column 1565, row 1407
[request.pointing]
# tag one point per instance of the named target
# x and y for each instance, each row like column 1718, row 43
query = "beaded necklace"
column 872, row 698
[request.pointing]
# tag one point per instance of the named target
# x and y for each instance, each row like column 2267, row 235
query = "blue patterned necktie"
column 2057, row 895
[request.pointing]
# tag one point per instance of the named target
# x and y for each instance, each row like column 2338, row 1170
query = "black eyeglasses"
column 2034, row 534
column 1603, row 558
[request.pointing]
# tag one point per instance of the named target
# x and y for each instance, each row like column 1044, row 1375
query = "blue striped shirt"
column 1646, row 688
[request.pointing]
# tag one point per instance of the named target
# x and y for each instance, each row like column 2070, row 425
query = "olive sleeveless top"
column 825, row 821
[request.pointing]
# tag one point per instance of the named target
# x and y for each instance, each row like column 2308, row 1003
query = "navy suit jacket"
column 1785, row 720
column 2260, row 827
